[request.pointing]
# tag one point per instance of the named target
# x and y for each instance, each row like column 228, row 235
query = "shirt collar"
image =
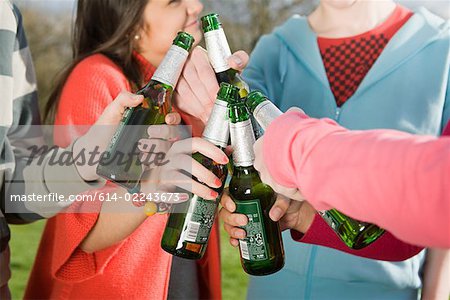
column 146, row 68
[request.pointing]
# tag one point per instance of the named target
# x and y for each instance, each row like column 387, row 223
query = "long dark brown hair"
column 107, row 27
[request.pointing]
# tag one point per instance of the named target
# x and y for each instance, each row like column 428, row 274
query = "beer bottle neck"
column 169, row 70
column 218, row 49
column 217, row 130
column 242, row 140
column 265, row 112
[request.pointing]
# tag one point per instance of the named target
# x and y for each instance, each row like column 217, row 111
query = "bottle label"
column 253, row 247
column 199, row 221
column 169, row 70
column 242, row 139
column 265, row 113
column 217, row 130
column 218, row 49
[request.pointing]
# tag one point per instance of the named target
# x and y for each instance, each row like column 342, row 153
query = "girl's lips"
column 195, row 22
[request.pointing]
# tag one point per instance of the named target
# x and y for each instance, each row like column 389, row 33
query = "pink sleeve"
column 387, row 247
column 395, row 180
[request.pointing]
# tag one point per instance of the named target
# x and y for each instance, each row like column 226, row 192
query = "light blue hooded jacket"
column 407, row 89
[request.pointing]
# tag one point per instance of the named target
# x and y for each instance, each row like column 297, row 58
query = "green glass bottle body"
column 120, row 162
column 189, row 225
column 355, row 234
column 262, row 251
column 122, row 165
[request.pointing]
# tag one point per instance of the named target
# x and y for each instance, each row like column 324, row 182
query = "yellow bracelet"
column 150, row 208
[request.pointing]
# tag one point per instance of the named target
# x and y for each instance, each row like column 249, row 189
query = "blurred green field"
column 25, row 240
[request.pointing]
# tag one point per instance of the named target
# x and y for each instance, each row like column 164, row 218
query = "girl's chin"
column 340, row 4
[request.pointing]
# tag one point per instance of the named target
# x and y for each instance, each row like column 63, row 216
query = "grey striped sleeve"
column 21, row 40
column 19, row 128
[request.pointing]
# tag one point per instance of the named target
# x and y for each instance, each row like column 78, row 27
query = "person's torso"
column 405, row 90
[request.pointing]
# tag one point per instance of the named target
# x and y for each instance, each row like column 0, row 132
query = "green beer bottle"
column 189, row 224
column 262, row 251
column 218, row 53
column 121, row 163
column 355, row 234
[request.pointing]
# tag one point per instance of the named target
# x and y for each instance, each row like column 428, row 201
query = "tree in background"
column 49, row 41
column 48, row 26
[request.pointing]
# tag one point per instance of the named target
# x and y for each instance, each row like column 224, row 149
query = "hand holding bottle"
column 291, row 215
column 197, row 87
column 181, row 168
column 99, row 135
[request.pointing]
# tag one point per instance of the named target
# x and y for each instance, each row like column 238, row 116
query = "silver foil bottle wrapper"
column 217, row 129
column 218, row 49
column 169, row 70
column 242, row 139
column 265, row 113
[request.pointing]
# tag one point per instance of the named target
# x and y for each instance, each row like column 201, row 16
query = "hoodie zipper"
column 337, row 114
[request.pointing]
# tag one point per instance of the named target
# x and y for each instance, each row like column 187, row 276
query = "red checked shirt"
column 348, row 60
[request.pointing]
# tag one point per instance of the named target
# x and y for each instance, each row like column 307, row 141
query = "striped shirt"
column 18, row 102
column 19, row 130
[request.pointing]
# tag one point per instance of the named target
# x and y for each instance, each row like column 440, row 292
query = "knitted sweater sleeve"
column 70, row 263
column 387, row 247
column 447, row 130
column 91, row 86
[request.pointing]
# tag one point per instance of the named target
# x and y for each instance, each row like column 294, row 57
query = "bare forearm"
column 436, row 283
column 116, row 221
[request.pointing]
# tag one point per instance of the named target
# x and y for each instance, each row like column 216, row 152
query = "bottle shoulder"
column 247, row 185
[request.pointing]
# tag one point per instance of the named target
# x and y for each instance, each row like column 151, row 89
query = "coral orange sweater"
column 136, row 267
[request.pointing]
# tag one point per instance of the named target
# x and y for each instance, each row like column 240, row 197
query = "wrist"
column 86, row 154
column 307, row 214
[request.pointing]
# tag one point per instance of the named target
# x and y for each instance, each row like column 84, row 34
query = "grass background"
column 25, row 240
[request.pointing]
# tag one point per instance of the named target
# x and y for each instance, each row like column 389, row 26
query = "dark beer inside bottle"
column 122, row 163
